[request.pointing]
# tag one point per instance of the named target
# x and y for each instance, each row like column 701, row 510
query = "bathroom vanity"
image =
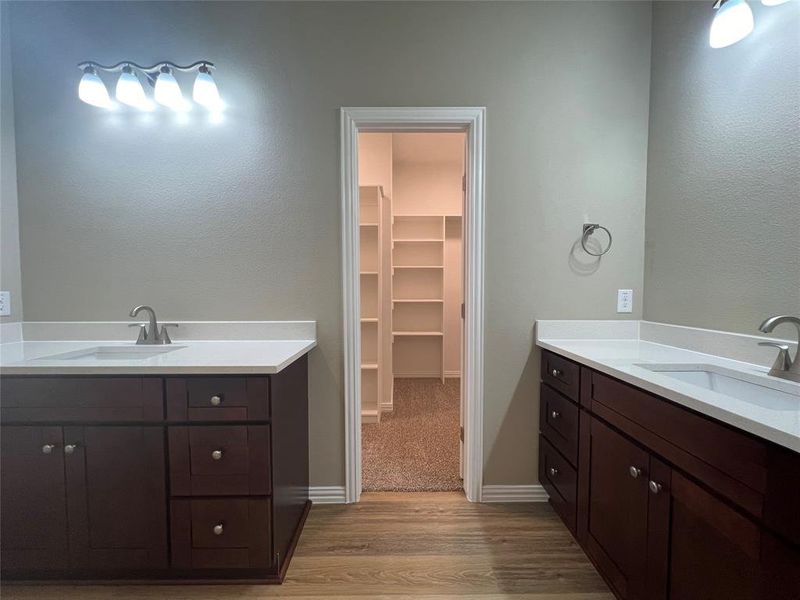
column 667, row 501
column 170, row 471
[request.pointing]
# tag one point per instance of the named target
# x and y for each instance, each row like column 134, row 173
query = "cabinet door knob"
column 655, row 487
column 216, row 400
column 70, row 448
column 553, row 471
column 555, row 373
column 634, row 472
column 555, row 414
column 218, row 529
column 48, row 448
column 216, row 454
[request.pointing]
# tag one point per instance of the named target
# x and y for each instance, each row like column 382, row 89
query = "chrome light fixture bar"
column 166, row 90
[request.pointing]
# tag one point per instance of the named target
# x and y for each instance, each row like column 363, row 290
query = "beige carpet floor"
column 415, row 447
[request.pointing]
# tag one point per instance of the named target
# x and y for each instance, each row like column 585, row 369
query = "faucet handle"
column 165, row 339
column 142, row 332
column 783, row 362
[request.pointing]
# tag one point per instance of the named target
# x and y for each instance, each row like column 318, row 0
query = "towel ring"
column 588, row 230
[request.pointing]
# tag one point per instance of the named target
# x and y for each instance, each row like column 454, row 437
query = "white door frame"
column 471, row 120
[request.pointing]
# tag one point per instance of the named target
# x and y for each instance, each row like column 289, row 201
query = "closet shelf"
column 369, row 366
column 416, row 240
column 368, row 224
column 369, row 319
column 411, row 300
column 419, row 333
column 418, row 266
column 369, row 272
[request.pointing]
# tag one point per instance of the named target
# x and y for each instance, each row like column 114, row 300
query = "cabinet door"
column 34, row 515
column 715, row 552
column 116, row 497
column 618, row 518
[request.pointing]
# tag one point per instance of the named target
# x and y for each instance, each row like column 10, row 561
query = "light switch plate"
column 624, row 301
column 5, row 304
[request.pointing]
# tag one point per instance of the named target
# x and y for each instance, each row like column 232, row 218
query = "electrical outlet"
column 624, row 301
column 5, row 304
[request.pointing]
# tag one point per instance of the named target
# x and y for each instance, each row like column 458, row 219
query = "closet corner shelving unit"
column 418, row 286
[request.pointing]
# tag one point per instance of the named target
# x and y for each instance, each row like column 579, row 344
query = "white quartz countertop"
column 242, row 357
column 777, row 421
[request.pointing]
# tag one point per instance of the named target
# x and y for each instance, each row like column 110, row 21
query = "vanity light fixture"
column 167, row 92
column 130, row 90
column 92, row 90
column 732, row 23
column 205, row 90
column 160, row 76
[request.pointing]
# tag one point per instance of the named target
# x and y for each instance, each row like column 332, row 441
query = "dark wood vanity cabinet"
column 184, row 478
column 670, row 504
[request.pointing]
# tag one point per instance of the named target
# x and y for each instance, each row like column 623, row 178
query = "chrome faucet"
column 152, row 335
column 784, row 366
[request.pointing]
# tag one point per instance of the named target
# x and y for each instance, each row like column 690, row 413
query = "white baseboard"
column 327, row 494
column 387, row 407
column 513, row 493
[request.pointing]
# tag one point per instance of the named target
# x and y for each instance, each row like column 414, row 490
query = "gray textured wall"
column 723, row 178
column 9, row 214
column 241, row 220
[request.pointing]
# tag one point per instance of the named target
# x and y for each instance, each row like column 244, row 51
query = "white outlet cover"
column 5, row 304
column 624, row 301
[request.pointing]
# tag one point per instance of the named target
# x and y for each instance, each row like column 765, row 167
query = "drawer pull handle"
column 218, row 529
column 48, row 448
column 556, row 373
column 216, row 455
column 654, row 486
column 553, row 471
column 634, row 472
column 216, row 400
column 555, row 415
column 70, row 448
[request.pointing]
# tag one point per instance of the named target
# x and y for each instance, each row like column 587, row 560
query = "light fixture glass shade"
column 773, row 2
column 130, row 90
column 205, row 90
column 92, row 90
column 168, row 92
column 732, row 23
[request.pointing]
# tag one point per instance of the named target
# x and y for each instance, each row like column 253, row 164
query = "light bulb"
column 130, row 90
column 732, row 23
column 205, row 90
column 92, row 90
column 168, row 92
column 773, row 2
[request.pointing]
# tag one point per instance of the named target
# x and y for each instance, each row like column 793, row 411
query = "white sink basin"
column 114, row 353
column 761, row 390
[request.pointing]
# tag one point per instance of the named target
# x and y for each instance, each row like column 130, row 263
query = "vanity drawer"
column 221, row 533
column 85, row 399
column 558, row 422
column 219, row 460
column 218, row 399
column 560, row 481
column 562, row 374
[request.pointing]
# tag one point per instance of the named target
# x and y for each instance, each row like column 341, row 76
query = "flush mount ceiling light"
column 161, row 77
column 732, row 23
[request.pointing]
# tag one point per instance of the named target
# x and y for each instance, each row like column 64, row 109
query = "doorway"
column 388, row 329
column 411, row 206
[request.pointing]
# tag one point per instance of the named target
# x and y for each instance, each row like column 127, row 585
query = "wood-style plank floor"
column 396, row 546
